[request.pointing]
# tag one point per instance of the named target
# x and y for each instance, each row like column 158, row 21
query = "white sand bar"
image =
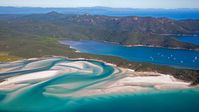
column 121, row 81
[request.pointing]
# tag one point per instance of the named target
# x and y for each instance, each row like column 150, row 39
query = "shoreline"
column 167, row 65
column 149, row 46
column 128, row 45
column 132, row 81
column 136, row 66
column 131, row 45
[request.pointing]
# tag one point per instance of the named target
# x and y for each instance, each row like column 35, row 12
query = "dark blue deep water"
column 163, row 56
column 170, row 13
column 189, row 39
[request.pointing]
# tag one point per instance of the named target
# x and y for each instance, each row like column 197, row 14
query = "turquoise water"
column 46, row 95
column 188, row 59
column 173, row 101
column 63, row 92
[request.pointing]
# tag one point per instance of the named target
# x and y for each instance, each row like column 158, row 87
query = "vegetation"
column 6, row 58
column 123, row 30
column 28, row 36
column 20, row 48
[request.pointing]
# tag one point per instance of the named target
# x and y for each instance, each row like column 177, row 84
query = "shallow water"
column 64, row 93
column 188, row 59
column 49, row 95
column 173, row 101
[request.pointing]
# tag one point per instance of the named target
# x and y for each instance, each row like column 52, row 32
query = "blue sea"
column 33, row 97
column 189, row 39
column 178, row 58
column 177, row 14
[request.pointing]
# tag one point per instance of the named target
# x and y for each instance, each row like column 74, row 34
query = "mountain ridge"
column 131, row 30
column 169, row 13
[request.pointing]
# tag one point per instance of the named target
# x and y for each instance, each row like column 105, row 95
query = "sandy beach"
column 125, row 81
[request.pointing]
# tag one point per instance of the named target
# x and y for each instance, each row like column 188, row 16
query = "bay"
column 179, row 58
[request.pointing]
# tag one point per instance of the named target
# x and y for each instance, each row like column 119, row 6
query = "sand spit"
column 121, row 80
column 134, row 84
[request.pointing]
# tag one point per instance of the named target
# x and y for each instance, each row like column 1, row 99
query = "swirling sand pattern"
column 53, row 81
column 58, row 84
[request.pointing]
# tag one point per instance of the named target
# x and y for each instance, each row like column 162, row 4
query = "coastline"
column 131, row 82
column 130, row 45
column 150, row 46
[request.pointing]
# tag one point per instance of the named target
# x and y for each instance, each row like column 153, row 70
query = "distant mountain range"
column 169, row 13
column 132, row 30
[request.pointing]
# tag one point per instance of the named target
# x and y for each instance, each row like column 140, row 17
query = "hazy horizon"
column 94, row 7
column 140, row 4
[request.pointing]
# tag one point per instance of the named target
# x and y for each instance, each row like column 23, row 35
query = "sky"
column 105, row 3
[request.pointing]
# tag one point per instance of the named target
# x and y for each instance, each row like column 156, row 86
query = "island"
column 38, row 35
column 38, row 65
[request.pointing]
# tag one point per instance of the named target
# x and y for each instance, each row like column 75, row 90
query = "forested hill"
column 180, row 13
column 124, row 30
